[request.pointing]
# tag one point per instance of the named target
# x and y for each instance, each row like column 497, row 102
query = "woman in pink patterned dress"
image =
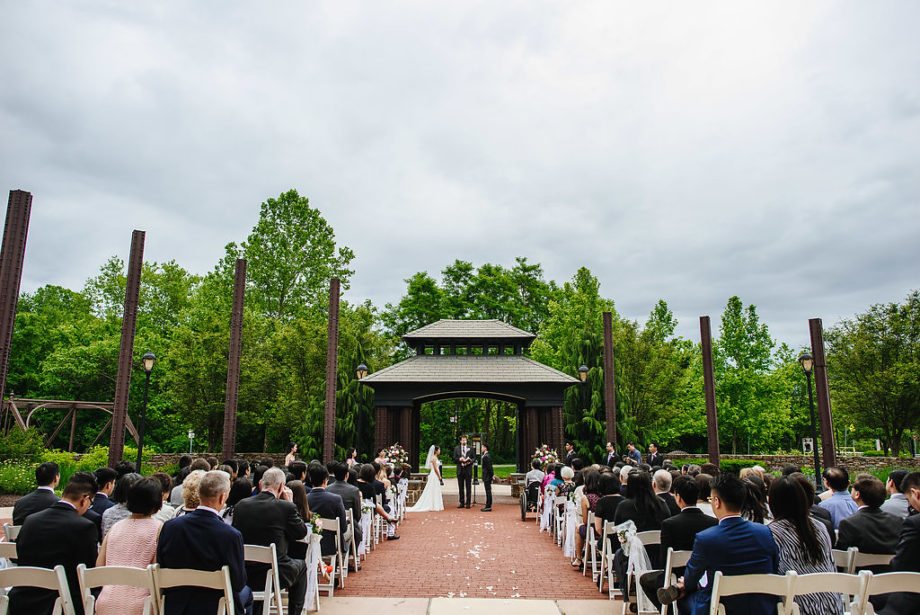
column 131, row 542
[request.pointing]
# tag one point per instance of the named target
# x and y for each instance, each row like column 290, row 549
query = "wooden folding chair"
column 219, row 580
column 888, row 583
column 852, row 586
column 675, row 559
column 734, row 585
column 42, row 578
column 270, row 595
column 11, row 531
column 91, row 578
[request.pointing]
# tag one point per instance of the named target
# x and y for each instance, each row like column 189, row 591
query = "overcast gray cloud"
column 684, row 151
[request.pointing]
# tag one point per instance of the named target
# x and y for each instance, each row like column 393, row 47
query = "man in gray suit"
column 351, row 497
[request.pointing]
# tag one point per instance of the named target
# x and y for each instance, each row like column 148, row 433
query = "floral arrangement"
column 397, row 456
column 317, row 522
column 545, row 455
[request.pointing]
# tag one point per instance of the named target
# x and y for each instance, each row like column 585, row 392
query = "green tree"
column 874, row 368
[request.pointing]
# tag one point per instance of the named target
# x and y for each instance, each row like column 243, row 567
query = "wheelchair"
column 530, row 497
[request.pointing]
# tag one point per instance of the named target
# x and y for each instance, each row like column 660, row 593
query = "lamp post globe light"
column 361, row 371
column 808, row 362
column 148, row 359
column 583, row 372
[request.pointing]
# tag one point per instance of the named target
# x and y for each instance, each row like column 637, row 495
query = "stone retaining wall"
column 776, row 462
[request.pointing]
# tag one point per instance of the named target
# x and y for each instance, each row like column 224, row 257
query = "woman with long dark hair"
column 803, row 544
column 642, row 506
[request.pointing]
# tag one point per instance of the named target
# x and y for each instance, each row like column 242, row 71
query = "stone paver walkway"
column 470, row 554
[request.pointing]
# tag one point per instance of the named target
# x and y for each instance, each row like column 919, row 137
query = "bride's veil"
column 430, row 456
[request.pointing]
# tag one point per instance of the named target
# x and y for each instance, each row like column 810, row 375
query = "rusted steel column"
column 12, row 253
column 709, row 385
column 126, row 353
column 233, row 366
column 381, row 435
column 822, row 392
column 332, row 369
column 610, row 394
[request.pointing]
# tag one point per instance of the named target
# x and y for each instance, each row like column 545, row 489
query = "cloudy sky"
column 685, row 151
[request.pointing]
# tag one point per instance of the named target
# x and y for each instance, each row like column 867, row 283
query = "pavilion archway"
column 469, row 359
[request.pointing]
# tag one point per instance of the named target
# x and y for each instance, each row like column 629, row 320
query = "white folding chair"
column 219, row 580
column 351, row 553
column 675, row 559
column 843, row 560
column 590, row 546
column 336, row 559
column 733, row 585
column 609, row 545
column 888, row 583
column 270, row 595
column 91, row 578
column 647, row 538
column 42, row 578
column 401, row 499
column 559, row 522
column 11, row 531
column 8, row 550
column 864, row 560
column 852, row 586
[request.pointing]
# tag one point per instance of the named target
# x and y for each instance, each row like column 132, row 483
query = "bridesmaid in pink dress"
column 131, row 542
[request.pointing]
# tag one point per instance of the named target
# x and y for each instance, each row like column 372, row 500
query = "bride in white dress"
column 431, row 499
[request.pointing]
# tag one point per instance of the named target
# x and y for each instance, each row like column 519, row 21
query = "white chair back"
column 168, row 578
column 674, row 559
column 8, row 550
column 649, row 537
column 28, row 576
column 733, row 585
column 850, row 585
column 91, row 578
column 270, row 595
column 332, row 525
column 844, row 559
column 11, row 531
column 351, row 548
column 864, row 560
column 888, row 583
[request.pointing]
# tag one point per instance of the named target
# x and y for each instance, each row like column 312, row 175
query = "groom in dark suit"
column 464, row 472
column 487, row 475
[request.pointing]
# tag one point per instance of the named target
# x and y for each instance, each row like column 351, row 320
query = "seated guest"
column 190, row 492
column 120, row 511
column 124, row 467
column 131, row 542
column 242, row 469
column 328, row 506
column 351, row 497
column 602, row 501
column 704, row 483
column 299, row 471
column 535, row 475
column 870, row 529
column 47, row 477
column 735, row 546
column 365, row 483
column 646, row 510
column 661, row 484
column 677, row 532
column 166, row 511
column 896, row 504
column 817, row 513
column 175, row 497
column 200, row 540
column 710, row 469
column 57, row 535
column 625, row 471
column 105, row 477
column 298, row 550
column 802, row 543
column 839, row 503
column 271, row 517
column 549, row 477
column 755, row 504
column 240, row 489
column 566, row 485
column 907, row 556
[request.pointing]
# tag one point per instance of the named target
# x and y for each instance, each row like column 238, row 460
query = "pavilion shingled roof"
column 469, row 368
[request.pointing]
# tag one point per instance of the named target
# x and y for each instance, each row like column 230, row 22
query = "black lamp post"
column 583, row 376
column 808, row 362
column 149, row 359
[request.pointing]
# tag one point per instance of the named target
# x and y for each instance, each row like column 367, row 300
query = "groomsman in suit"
column 328, row 506
column 47, row 476
column 612, row 457
column 464, row 472
column 351, row 496
column 106, row 479
column 907, row 556
column 57, row 535
column 654, row 457
column 487, row 475
column 271, row 517
column 202, row 541
column 569, row 453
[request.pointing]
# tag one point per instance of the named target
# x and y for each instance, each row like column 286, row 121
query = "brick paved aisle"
column 470, row 554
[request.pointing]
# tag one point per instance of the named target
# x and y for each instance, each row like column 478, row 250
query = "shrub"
column 874, row 454
column 16, row 478
column 21, row 445
column 734, row 466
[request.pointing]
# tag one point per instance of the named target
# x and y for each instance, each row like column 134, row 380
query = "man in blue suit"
column 735, row 546
column 202, row 541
